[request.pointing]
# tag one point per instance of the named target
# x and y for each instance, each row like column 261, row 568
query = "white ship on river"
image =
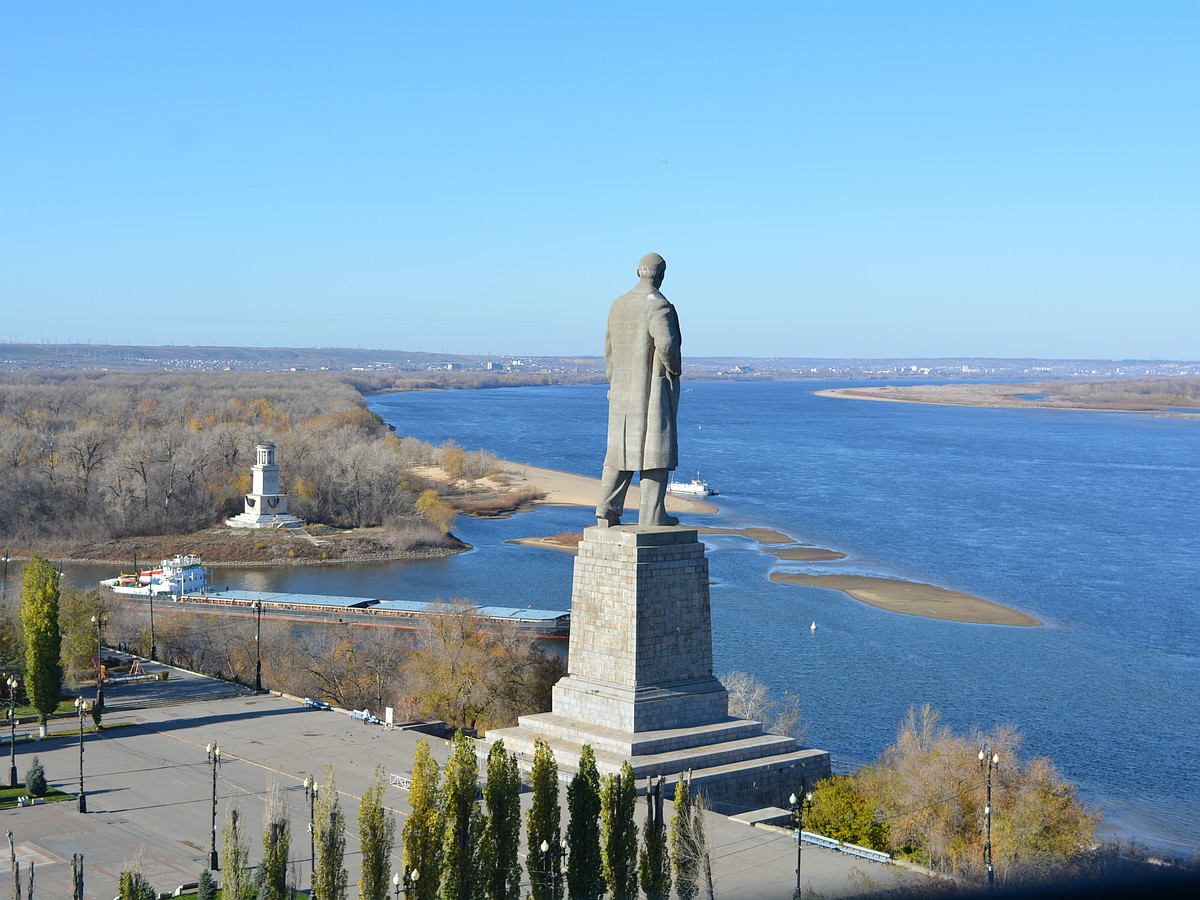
column 693, row 488
column 178, row 575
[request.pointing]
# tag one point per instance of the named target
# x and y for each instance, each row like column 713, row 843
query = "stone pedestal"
column 640, row 685
column 641, row 633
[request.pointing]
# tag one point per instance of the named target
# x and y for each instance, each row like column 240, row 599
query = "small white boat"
column 178, row 575
column 693, row 488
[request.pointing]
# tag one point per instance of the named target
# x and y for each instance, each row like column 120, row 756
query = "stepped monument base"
column 641, row 687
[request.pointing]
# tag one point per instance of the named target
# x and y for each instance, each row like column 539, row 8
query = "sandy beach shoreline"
column 566, row 489
column 905, row 597
column 1024, row 395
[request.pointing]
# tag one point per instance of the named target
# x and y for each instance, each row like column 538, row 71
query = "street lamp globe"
column 396, row 879
column 414, row 875
column 545, row 847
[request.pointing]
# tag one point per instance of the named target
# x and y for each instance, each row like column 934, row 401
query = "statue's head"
column 653, row 268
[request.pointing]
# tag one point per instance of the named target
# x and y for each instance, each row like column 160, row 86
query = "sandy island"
column 912, row 598
column 1024, row 395
column 907, row 597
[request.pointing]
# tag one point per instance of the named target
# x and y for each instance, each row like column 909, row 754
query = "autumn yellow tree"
column 473, row 677
column 436, row 511
column 925, row 799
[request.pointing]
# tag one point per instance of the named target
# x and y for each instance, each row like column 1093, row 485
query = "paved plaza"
column 149, row 795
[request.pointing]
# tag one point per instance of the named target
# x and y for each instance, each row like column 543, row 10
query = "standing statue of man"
column 642, row 351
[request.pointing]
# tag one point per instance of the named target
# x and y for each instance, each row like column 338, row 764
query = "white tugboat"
column 693, row 488
column 179, row 575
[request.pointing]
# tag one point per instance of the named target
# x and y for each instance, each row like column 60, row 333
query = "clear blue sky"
column 823, row 178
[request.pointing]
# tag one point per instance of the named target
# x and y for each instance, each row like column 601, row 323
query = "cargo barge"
column 544, row 623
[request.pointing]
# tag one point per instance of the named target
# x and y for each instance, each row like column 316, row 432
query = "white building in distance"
column 266, row 505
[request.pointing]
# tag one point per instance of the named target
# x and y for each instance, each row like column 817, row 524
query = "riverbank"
column 1029, row 395
column 905, row 597
column 315, row 545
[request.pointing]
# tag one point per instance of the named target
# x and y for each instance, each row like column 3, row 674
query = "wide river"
column 1088, row 521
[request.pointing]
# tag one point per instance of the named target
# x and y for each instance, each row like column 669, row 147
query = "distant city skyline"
column 852, row 180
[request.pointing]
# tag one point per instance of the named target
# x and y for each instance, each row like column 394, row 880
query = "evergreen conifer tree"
column 43, row 641
column 543, row 825
column 683, row 845
column 133, row 886
column 618, row 833
column 206, row 888
column 35, row 779
column 377, row 835
column 330, row 880
column 502, row 792
column 585, row 878
column 462, row 864
column 423, row 830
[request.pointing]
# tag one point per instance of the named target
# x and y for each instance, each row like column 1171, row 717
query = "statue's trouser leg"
column 614, row 483
column 653, row 487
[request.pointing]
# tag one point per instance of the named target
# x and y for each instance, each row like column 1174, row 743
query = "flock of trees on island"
column 92, row 456
column 1143, row 393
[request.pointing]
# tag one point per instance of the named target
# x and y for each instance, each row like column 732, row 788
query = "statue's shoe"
column 665, row 522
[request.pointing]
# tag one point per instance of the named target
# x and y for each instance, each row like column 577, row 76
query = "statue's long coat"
column 642, row 350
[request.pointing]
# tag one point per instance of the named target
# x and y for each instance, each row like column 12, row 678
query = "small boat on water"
column 178, row 575
column 693, row 488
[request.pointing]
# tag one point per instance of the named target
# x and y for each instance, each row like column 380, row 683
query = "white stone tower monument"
column 266, row 505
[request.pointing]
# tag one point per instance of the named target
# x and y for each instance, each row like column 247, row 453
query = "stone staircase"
column 735, row 760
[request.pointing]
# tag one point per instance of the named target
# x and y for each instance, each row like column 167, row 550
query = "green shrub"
column 207, row 889
column 35, row 779
column 134, row 887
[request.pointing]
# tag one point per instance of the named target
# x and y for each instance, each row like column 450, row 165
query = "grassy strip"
column 9, row 795
column 87, row 729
